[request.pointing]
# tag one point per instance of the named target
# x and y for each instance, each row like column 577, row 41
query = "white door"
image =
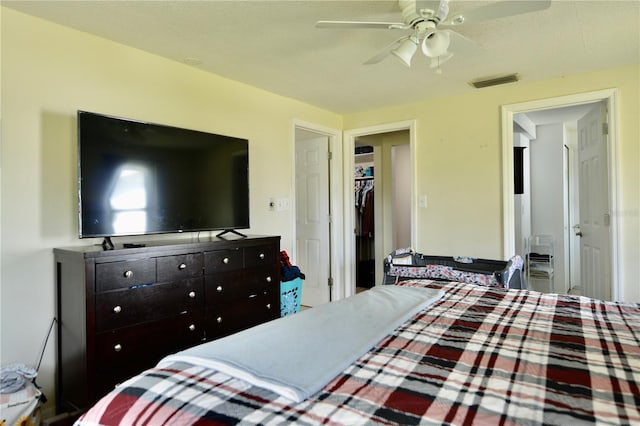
column 594, row 205
column 312, row 216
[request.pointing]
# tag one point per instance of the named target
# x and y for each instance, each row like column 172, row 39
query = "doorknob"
column 577, row 230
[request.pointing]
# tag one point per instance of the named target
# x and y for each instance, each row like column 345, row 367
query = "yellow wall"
column 48, row 73
column 458, row 150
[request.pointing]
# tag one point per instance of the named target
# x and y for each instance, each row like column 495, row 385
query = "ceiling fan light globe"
column 436, row 44
column 405, row 51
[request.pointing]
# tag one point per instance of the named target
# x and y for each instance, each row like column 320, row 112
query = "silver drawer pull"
column 128, row 274
column 268, row 305
column 261, row 256
column 268, row 279
column 219, row 320
column 192, row 294
column 117, row 347
column 182, row 266
column 251, row 296
column 192, row 327
column 225, row 260
column 219, row 288
column 117, row 309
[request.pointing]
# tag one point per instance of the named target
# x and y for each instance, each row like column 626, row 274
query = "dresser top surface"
column 186, row 244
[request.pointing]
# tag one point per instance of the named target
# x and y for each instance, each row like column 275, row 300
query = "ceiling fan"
column 430, row 28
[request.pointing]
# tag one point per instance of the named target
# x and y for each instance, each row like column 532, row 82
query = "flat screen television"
column 138, row 178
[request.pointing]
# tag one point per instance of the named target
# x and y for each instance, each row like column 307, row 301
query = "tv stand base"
column 231, row 231
column 107, row 244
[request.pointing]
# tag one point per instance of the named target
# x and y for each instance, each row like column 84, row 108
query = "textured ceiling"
column 274, row 45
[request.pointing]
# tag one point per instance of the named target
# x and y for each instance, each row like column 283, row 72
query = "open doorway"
column 578, row 195
column 548, row 202
column 382, row 201
column 378, row 162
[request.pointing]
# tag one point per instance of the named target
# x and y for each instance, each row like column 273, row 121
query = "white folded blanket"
column 298, row 355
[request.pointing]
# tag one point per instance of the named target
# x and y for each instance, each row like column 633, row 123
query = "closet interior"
column 364, row 220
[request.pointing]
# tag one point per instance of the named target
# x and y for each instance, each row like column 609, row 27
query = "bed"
column 477, row 355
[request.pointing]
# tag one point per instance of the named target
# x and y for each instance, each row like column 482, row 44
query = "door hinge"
column 330, row 155
column 605, row 129
column 330, row 282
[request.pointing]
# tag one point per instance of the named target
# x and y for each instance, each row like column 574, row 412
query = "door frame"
column 349, row 198
column 610, row 97
column 335, row 200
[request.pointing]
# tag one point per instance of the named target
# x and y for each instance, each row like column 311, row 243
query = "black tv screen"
column 138, row 178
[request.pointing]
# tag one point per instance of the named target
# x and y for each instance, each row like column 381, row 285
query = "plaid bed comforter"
column 481, row 355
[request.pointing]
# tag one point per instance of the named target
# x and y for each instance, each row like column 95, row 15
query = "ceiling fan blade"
column 497, row 10
column 436, row 62
column 460, row 43
column 385, row 52
column 361, row 24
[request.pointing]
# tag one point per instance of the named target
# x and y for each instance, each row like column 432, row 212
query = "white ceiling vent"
column 494, row 81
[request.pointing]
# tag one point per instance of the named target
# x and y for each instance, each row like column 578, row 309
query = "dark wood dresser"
column 120, row 311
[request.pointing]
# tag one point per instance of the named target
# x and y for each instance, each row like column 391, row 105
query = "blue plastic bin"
column 290, row 295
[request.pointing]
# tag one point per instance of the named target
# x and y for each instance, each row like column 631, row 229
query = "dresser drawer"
column 149, row 341
column 123, row 353
column 115, row 275
column 241, row 314
column 171, row 268
column 267, row 276
column 225, row 287
column 147, row 303
column 223, row 260
column 266, row 255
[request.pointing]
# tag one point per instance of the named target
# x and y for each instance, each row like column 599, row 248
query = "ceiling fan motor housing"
column 409, row 13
